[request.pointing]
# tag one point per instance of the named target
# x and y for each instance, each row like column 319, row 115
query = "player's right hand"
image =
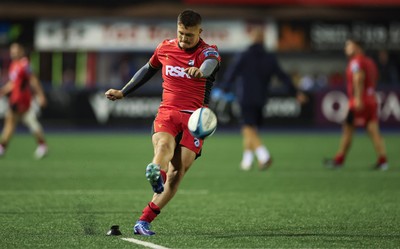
column 301, row 98
column 216, row 93
column 113, row 94
column 358, row 105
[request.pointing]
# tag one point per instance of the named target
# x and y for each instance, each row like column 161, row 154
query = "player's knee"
column 33, row 124
column 164, row 146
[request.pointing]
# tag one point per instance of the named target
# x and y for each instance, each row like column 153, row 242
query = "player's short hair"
column 357, row 41
column 21, row 45
column 189, row 18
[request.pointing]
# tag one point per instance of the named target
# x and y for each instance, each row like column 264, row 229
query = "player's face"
column 188, row 37
column 16, row 51
column 350, row 48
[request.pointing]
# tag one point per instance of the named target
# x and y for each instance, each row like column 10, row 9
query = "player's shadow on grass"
column 86, row 218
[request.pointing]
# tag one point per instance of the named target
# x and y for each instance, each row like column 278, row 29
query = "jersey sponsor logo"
column 191, row 63
column 210, row 52
column 13, row 75
column 355, row 66
column 176, row 71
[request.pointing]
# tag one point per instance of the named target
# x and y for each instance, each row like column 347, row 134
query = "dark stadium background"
column 316, row 65
column 93, row 176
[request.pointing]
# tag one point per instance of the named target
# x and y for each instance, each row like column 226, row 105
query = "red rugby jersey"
column 180, row 91
column 367, row 65
column 20, row 73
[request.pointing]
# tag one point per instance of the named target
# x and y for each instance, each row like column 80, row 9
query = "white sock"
column 262, row 154
column 247, row 159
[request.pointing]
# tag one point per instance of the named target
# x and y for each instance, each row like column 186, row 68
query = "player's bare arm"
column 205, row 70
column 6, row 89
column 38, row 90
column 358, row 85
column 139, row 79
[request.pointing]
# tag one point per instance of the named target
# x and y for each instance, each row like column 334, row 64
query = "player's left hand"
column 194, row 72
column 42, row 101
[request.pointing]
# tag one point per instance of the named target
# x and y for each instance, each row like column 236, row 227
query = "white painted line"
column 144, row 243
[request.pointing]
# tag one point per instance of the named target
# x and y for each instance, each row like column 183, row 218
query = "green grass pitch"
column 92, row 181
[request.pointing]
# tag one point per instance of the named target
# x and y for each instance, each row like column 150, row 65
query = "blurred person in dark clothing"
column 388, row 74
column 252, row 72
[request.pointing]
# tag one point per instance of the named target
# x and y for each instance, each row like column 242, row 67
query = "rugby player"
column 188, row 67
column 21, row 86
column 362, row 75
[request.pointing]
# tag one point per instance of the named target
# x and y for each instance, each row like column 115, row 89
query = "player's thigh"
column 164, row 139
column 30, row 119
column 183, row 159
column 167, row 120
column 348, row 129
column 372, row 113
column 249, row 130
column 361, row 118
column 11, row 118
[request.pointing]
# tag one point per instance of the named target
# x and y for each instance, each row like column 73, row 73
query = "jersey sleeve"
column 154, row 60
column 26, row 67
column 355, row 66
column 210, row 52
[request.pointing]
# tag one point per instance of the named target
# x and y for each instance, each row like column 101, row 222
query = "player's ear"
column 200, row 30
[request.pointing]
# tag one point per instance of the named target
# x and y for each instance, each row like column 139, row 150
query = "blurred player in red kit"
column 188, row 67
column 21, row 86
column 362, row 75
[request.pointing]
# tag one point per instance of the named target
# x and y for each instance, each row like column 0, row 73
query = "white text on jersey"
column 176, row 71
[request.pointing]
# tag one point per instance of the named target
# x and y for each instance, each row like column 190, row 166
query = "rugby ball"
column 202, row 123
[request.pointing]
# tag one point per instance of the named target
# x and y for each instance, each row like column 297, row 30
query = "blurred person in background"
column 388, row 74
column 20, row 88
column 362, row 76
column 252, row 72
column 188, row 67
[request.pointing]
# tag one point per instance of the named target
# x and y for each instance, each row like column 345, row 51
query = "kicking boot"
column 142, row 228
column 332, row 164
column 155, row 178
